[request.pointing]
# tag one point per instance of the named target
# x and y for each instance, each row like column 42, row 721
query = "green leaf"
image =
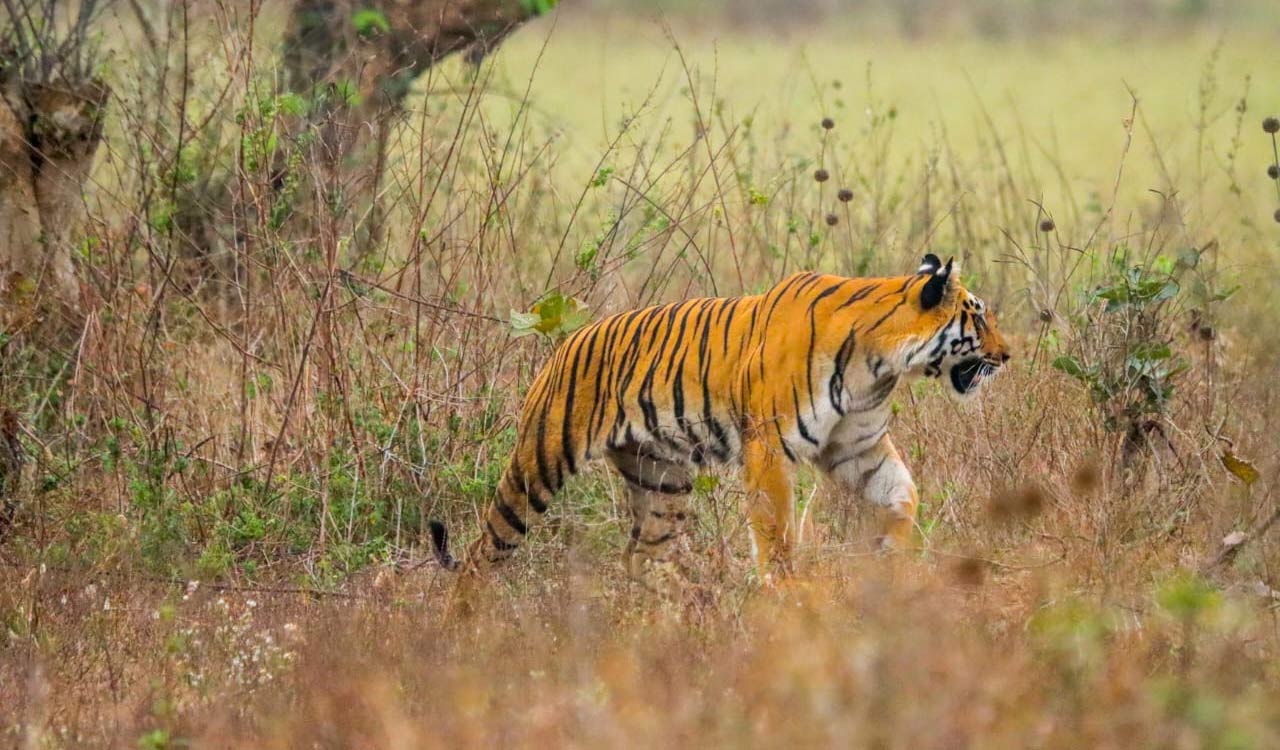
column 572, row 320
column 1226, row 293
column 1070, row 366
column 601, row 178
column 292, row 104
column 522, row 324
column 554, row 316
column 705, row 484
column 538, row 7
column 1168, row 291
column 369, row 21
column 1151, row 352
column 1187, row 595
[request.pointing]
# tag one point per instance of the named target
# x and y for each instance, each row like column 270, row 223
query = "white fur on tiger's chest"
column 855, row 417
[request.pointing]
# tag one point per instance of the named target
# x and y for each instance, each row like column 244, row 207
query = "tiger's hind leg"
column 658, row 499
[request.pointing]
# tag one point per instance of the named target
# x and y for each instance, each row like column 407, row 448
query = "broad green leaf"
column 369, row 21
column 1151, row 352
column 554, row 316
column 539, row 7
column 1070, row 366
column 522, row 324
column 1226, row 293
column 1168, row 291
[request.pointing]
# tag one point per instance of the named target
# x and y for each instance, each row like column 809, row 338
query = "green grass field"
column 1055, row 100
column 219, row 539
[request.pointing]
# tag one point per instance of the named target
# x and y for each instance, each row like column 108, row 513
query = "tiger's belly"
column 803, row 427
column 683, row 441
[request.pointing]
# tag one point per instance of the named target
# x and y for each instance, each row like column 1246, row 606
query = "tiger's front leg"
column 877, row 473
column 767, row 480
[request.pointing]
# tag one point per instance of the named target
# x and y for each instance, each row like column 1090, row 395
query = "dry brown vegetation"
column 286, row 357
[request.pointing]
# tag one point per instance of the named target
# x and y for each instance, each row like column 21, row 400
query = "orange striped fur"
column 802, row 372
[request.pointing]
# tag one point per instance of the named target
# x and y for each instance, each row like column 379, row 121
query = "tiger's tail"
column 440, row 546
column 513, row 511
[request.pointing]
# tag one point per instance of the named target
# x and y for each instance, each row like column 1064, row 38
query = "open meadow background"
column 282, row 351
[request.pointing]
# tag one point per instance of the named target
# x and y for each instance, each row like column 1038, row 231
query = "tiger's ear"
column 939, row 283
column 930, row 264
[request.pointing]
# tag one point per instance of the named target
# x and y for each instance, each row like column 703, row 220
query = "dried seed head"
column 828, row 123
column 1273, row 172
column 969, row 571
column 1047, row 225
column 1208, row 333
column 1017, row 504
column 845, row 195
column 832, row 219
column 822, row 175
column 1046, row 315
column 1271, row 125
column 1085, row 478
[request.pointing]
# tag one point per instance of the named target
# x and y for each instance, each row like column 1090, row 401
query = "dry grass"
column 269, row 397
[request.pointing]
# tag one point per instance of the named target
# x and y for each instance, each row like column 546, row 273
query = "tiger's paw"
column 662, row 577
column 671, row 585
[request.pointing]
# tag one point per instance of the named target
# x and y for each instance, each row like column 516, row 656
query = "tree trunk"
column 381, row 46
column 359, row 58
column 49, row 133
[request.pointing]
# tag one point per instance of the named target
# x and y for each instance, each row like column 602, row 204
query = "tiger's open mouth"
column 969, row 374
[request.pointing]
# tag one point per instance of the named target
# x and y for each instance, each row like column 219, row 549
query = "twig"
column 1233, row 543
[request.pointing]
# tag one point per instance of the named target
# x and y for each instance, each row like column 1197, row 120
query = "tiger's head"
column 965, row 347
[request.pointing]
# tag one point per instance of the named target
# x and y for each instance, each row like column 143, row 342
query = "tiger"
column 802, row 372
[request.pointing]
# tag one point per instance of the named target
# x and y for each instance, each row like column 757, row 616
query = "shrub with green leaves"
column 1125, row 348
